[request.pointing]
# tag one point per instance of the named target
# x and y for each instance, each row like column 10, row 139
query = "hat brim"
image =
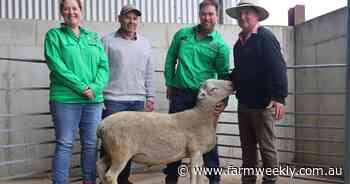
column 234, row 11
column 136, row 11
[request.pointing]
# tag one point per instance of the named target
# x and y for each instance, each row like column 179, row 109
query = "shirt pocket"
column 69, row 54
column 186, row 48
column 207, row 57
column 92, row 54
column 93, row 47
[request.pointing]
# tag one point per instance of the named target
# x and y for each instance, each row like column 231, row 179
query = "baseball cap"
column 129, row 8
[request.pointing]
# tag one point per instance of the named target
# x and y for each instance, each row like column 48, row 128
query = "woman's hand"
column 88, row 93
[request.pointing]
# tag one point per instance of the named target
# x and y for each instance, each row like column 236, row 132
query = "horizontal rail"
column 12, row 162
column 289, row 126
column 317, row 66
column 289, row 138
column 318, row 93
column 24, row 175
column 289, row 151
column 163, row 92
column 229, row 111
column 23, row 60
column 24, row 114
column 28, row 174
column 288, row 67
column 25, row 144
column 310, row 127
column 30, row 144
column 11, row 130
column 300, row 113
column 25, row 89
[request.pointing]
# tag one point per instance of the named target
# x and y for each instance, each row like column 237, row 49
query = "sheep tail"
column 99, row 137
column 99, row 131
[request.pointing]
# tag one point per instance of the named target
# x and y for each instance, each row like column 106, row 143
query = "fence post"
column 347, row 120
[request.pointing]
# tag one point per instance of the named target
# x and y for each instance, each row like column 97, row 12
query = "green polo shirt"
column 190, row 61
column 75, row 63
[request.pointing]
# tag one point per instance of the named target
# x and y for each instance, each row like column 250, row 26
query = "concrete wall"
column 321, row 41
column 24, row 39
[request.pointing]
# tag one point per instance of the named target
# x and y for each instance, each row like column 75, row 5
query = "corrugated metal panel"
column 158, row 11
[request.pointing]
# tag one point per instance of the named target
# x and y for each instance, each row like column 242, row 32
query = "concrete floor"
column 155, row 178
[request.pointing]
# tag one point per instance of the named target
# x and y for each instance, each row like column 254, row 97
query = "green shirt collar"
column 210, row 35
column 68, row 29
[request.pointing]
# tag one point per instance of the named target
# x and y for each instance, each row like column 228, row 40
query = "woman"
column 79, row 73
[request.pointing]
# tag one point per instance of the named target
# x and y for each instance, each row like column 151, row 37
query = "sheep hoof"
column 110, row 179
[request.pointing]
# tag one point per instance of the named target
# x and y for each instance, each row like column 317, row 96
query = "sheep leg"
column 196, row 163
column 117, row 165
column 101, row 167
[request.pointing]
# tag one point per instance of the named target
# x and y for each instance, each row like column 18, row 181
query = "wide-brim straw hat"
column 234, row 11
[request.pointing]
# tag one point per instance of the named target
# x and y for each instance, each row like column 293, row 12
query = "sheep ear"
column 202, row 94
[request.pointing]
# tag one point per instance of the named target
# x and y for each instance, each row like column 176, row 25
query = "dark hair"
column 62, row 5
column 205, row 3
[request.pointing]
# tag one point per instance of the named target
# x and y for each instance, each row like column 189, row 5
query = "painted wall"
column 321, row 41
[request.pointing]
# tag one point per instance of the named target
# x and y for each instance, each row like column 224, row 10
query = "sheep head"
column 213, row 91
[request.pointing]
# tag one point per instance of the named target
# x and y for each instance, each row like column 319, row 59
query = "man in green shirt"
column 196, row 54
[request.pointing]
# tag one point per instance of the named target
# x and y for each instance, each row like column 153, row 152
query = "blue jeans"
column 67, row 118
column 112, row 107
column 181, row 100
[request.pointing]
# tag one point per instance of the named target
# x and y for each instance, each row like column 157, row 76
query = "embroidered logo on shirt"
column 183, row 39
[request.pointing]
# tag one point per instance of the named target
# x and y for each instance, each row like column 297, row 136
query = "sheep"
column 152, row 138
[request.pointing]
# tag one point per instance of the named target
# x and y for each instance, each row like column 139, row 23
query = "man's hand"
column 149, row 105
column 219, row 108
column 279, row 109
column 169, row 91
column 88, row 93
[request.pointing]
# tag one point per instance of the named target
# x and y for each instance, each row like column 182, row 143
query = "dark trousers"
column 257, row 126
column 112, row 107
column 179, row 101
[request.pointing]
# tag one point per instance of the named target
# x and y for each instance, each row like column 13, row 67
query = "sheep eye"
column 213, row 89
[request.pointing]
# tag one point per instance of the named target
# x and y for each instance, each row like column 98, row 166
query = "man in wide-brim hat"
column 261, row 81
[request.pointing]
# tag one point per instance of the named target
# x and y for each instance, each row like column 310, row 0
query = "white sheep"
column 158, row 138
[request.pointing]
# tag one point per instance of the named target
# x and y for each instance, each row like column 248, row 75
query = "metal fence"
column 16, row 161
column 157, row 11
